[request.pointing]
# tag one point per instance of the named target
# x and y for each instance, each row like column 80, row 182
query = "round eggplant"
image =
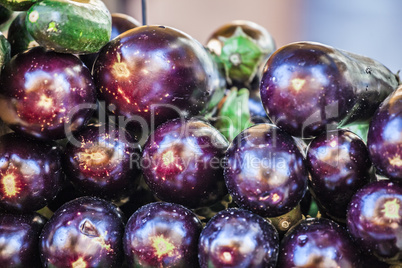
column 238, row 238
column 384, row 137
column 339, row 164
column 151, row 74
column 182, row 163
column 374, row 220
column 100, row 161
column 265, row 171
column 318, row 242
column 46, row 94
column 19, row 240
column 85, row 232
column 30, row 173
column 162, row 235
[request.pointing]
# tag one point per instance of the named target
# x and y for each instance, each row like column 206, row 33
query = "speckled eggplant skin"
column 103, row 161
column 307, row 87
column 19, row 240
column 375, row 220
column 318, row 242
column 265, row 171
column 182, row 162
column 85, row 232
column 384, row 138
column 339, row 164
column 42, row 94
column 155, row 70
column 162, row 234
column 30, row 173
column 238, row 238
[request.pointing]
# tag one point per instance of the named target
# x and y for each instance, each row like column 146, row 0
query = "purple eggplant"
column 19, row 240
column 30, row 173
column 18, row 36
column 384, row 138
column 309, row 87
column 265, row 171
column 238, row 238
column 339, row 165
column 120, row 23
column 162, row 235
column 318, row 242
column 85, row 232
column 100, row 162
column 182, row 163
column 46, row 94
column 374, row 220
column 151, row 74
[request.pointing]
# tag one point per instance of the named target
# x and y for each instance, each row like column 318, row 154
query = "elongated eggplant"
column 385, row 137
column 308, row 87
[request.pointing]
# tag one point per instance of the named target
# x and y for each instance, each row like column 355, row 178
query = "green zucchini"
column 70, row 26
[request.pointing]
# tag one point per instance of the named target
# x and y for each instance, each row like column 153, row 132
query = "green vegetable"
column 240, row 56
column 70, row 26
column 5, row 49
column 234, row 116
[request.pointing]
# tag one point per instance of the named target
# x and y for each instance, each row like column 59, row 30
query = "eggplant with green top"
column 307, row 88
column 241, row 46
column 70, row 26
column 18, row 5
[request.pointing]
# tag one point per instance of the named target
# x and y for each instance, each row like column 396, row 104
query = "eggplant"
column 265, row 171
column 308, row 87
column 339, row 165
column 374, row 220
column 384, row 138
column 318, row 242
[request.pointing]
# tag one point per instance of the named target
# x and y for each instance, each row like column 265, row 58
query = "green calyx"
column 234, row 116
column 240, row 56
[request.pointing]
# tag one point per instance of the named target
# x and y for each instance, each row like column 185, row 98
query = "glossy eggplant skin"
column 384, row 138
column 19, row 240
column 265, row 171
column 318, row 242
column 339, row 164
column 238, row 238
column 99, row 162
column 309, row 87
column 30, row 173
column 121, row 23
column 182, row 162
column 375, row 220
column 162, row 234
column 151, row 74
column 85, row 232
column 18, row 36
column 46, row 94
